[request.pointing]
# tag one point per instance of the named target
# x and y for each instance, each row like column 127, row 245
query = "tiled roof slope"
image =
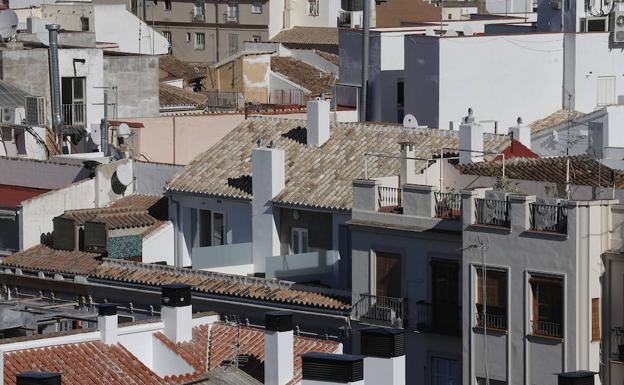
column 392, row 12
column 81, row 364
column 315, row 177
column 216, row 283
column 223, row 340
column 308, row 35
column 137, row 201
column 554, row 119
column 226, row 375
column 12, row 196
column 583, row 170
column 174, row 67
column 175, row 96
column 44, row 258
column 303, row 74
column 330, row 57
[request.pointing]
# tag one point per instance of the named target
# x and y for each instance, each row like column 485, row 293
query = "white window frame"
column 296, row 236
column 167, row 5
column 197, row 45
column 189, row 37
column 256, row 7
column 313, row 7
column 212, row 229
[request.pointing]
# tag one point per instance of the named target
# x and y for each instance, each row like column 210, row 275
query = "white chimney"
column 107, row 323
column 470, row 140
column 268, row 180
column 385, row 356
column 278, row 348
column 318, row 122
column 408, row 166
column 521, row 133
column 333, row 369
column 176, row 312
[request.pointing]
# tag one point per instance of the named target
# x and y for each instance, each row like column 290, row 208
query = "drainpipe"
column 177, row 242
column 365, row 40
column 55, row 86
column 216, row 31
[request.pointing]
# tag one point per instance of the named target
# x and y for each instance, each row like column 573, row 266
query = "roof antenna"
column 259, row 142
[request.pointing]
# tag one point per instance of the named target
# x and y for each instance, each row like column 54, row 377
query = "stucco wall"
column 151, row 178
column 136, row 79
column 159, row 246
column 46, row 175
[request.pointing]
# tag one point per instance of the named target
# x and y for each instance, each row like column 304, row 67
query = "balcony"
column 448, row 205
column 74, row 114
column 222, row 258
column 546, row 329
column 439, row 318
column 491, row 321
column 316, row 266
column 493, row 212
column 548, row 218
column 382, row 311
column 230, row 17
column 389, row 199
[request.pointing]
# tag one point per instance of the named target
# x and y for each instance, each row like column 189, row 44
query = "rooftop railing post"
column 468, row 207
column 366, row 194
column 520, row 211
column 418, row 200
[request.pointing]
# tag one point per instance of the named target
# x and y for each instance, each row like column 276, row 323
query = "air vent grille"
column 332, row 367
column 386, row 343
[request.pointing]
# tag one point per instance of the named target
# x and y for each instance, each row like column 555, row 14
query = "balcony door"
column 388, row 275
column 73, row 97
column 445, row 294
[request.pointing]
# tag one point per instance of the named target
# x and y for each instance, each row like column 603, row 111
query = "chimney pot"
column 107, row 323
column 38, row 378
column 318, row 131
column 176, row 312
column 470, row 142
column 385, row 355
column 278, row 348
column 279, row 321
column 332, row 368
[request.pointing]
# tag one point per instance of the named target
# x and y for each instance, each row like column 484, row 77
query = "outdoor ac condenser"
column 617, row 27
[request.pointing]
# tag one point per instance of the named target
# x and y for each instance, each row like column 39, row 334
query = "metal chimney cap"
column 53, row 27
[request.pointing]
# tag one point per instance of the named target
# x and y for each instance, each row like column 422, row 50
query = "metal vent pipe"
column 55, row 86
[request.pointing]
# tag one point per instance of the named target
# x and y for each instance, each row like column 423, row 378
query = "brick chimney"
column 278, row 348
column 176, row 312
column 318, row 122
column 107, row 323
column 470, row 140
column 384, row 351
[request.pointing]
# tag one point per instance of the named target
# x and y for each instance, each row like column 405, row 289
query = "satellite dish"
column 410, row 121
column 96, row 135
column 123, row 131
column 122, row 178
column 8, row 24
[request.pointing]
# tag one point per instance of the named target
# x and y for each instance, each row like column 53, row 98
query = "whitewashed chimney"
column 333, row 369
column 470, row 140
column 176, row 312
column 278, row 348
column 522, row 133
column 318, row 122
column 268, row 180
column 408, row 163
column 384, row 351
column 107, row 323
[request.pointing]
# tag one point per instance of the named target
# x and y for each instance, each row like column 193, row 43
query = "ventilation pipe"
column 365, row 42
column 521, row 133
column 278, row 348
column 55, row 86
column 176, row 312
column 107, row 323
column 470, row 140
column 38, row 378
column 332, row 369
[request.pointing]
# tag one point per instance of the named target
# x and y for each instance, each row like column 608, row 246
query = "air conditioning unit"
column 617, row 27
column 35, row 111
column 7, row 115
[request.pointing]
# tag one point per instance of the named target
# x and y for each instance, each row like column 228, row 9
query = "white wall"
column 37, row 213
column 276, row 16
column 159, row 246
column 165, row 362
column 327, row 17
column 115, row 24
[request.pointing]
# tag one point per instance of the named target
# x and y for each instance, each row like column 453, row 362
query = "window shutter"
column 595, row 319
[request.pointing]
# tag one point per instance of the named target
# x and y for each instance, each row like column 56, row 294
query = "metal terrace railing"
column 447, row 205
column 388, row 197
column 438, row 317
column 550, row 218
column 74, row 114
column 493, row 212
column 379, row 310
column 546, row 329
column 492, row 321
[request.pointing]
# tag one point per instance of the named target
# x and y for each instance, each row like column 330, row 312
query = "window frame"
column 196, row 44
column 189, row 37
column 256, row 8
column 502, row 292
column 167, row 5
column 313, row 8
column 538, row 282
column 84, row 21
column 296, row 235
column 213, row 228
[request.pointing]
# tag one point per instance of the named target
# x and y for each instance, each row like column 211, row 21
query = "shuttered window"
column 606, row 90
column 595, row 319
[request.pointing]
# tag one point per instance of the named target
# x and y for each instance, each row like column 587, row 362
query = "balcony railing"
column 447, row 205
column 438, row 317
column 344, row 19
column 550, row 218
column 379, row 310
column 389, row 198
column 617, row 344
column 74, row 114
column 546, row 329
column 230, row 17
column 492, row 321
column 493, row 212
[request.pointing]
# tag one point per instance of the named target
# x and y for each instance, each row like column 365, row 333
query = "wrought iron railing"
column 546, row 329
column 389, row 197
column 492, row 321
column 388, row 311
column 551, row 218
column 437, row 317
column 74, row 114
column 447, row 205
column 493, row 212
column 617, row 344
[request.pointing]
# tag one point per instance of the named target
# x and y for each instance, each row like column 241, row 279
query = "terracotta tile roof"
column 392, row 13
column 226, row 375
column 137, row 201
column 259, row 289
column 44, row 258
column 125, row 220
column 171, row 67
column 175, row 96
column 583, row 170
column 12, row 196
column 330, row 57
column 315, row 177
column 223, row 348
column 554, row 119
column 308, row 35
column 303, row 74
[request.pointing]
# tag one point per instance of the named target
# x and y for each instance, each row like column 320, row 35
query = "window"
column 218, row 229
column 232, row 43
column 199, row 10
column 313, row 7
column 256, row 38
column 606, row 90
column 167, row 5
column 400, row 95
column 445, row 283
column 298, row 240
column 84, row 23
column 595, row 319
column 546, row 306
column 256, row 7
column 445, row 371
column 200, row 40
column 73, row 101
column 388, row 275
column 188, row 37
column 167, row 35
column 494, row 302
column 211, row 228
column 231, row 15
